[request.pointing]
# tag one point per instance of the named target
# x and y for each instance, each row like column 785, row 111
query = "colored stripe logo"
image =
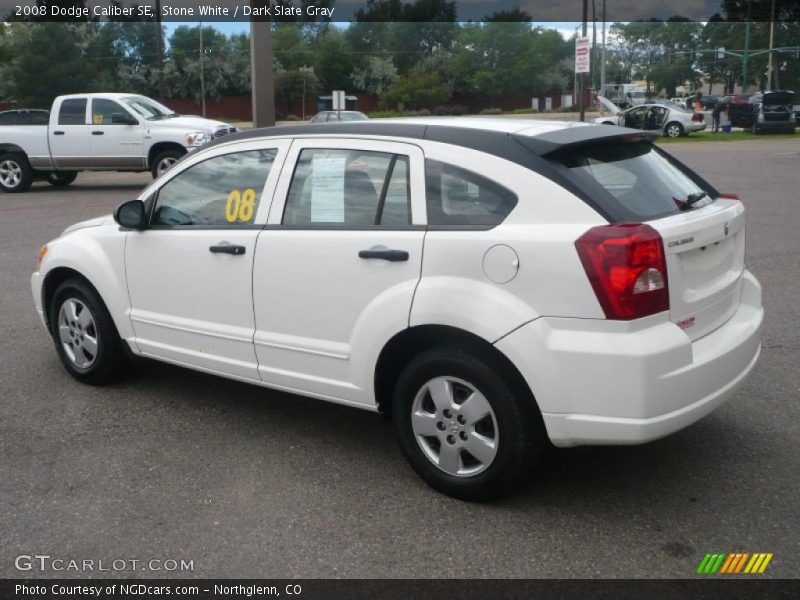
column 734, row 563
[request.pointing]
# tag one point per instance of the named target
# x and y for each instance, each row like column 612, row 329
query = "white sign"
column 327, row 189
column 582, row 54
column 338, row 100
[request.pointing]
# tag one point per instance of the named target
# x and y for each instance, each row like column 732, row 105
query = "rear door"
column 337, row 265
column 69, row 138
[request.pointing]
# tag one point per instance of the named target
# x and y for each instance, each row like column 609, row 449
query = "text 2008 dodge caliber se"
column 490, row 284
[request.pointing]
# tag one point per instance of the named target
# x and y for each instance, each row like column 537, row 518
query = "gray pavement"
column 173, row 464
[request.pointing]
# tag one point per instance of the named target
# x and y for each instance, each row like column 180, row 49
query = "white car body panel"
column 300, row 311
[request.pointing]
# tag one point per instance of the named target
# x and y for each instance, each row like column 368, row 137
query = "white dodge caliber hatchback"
column 490, row 284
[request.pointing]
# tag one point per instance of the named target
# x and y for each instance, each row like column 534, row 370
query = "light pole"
column 746, row 49
column 581, row 99
column 262, row 83
column 771, row 37
column 202, row 72
column 603, row 53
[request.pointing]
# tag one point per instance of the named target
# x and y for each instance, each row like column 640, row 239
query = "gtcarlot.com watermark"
column 47, row 563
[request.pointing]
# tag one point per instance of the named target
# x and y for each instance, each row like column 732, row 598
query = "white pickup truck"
column 96, row 132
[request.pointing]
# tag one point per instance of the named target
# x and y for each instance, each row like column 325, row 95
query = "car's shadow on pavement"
column 574, row 479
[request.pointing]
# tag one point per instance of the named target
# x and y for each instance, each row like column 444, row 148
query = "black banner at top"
column 569, row 11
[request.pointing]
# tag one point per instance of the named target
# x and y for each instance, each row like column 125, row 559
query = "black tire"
column 519, row 434
column 16, row 174
column 673, row 129
column 60, row 178
column 110, row 358
column 168, row 155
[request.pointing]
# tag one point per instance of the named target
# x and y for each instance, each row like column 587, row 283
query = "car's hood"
column 96, row 222
column 190, row 123
column 609, row 105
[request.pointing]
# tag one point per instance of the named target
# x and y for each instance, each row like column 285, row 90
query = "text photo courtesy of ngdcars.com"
column 413, row 304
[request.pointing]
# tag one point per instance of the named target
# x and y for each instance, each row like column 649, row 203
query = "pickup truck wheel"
column 463, row 425
column 164, row 161
column 61, row 178
column 16, row 174
column 84, row 333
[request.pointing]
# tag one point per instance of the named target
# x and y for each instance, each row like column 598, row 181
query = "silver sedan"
column 673, row 121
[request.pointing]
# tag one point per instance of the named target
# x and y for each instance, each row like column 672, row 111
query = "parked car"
column 665, row 118
column 490, row 284
column 96, row 132
column 767, row 112
column 338, row 115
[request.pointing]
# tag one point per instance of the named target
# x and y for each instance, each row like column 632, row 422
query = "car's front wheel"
column 16, row 174
column 463, row 424
column 84, row 333
column 164, row 161
column 674, row 130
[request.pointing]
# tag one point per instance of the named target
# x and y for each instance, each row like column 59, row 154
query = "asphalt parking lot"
column 173, row 464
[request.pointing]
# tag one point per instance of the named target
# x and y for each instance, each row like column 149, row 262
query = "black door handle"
column 58, row 133
column 390, row 255
column 228, row 249
column 97, row 133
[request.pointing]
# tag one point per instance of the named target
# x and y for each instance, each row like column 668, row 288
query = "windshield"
column 149, row 108
column 635, row 180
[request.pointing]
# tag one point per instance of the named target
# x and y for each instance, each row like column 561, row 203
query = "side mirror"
column 123, row 119
column 131, row 215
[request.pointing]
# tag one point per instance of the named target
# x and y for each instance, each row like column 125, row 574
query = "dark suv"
column 764, row 112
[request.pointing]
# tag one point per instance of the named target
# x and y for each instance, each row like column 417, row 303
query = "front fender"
column 98, row 255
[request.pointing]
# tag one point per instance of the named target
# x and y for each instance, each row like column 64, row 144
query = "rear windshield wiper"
column 690, row 200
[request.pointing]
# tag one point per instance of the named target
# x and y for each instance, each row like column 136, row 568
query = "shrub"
column 491, row 111
column 524, row 111
column 447, row 110
column 291, row 118
column 415, row 91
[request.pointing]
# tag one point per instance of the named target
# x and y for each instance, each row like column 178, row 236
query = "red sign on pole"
column 582, row 54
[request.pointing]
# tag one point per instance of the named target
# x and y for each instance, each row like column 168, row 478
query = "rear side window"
column 459, row 197
column 633, row 180
column 72, row 112
column 348, row 188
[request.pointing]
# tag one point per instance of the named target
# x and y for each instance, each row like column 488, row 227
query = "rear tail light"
column 627, row 269
column 728, row 196
column 697, row 117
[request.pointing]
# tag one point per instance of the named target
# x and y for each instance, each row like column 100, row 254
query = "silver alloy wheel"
column 78, row 333
column 10, row 173
column 674, row 130
column 164, row 164
column 455, row 426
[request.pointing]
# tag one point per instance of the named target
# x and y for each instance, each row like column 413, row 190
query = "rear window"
column 632, row 181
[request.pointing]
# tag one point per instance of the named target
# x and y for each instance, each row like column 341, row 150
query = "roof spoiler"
column 572, row 137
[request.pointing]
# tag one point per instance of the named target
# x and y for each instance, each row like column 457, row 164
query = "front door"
column 115, row 145
column 635, row 117
column 336, row 268
column 190, row 273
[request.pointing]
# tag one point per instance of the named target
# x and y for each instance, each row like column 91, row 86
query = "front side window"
column 72, row 112
column 149, row 108
column 103, row 110
column 457, row 196
column 348, row 188
column 223, row 191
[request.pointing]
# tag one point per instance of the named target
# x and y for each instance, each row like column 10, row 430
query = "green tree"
column 416, row 91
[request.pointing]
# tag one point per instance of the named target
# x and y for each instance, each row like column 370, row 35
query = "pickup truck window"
column 73, row 112
column 103, row 109
column 223, row 192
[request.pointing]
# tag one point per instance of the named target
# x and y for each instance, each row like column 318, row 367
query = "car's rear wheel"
column 85, row 337
column 463, row 425
column 61, row 178
column 16, row 174
column 674, row 129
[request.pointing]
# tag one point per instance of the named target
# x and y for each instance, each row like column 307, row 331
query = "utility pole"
column 594, row 46
column 603, row 52
column 159, row 51
column 746, row 49
column 202, row 73
column 771, row 37
column 262, row 83
column 581, row 97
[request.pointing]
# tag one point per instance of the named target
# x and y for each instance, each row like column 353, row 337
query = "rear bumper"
column 775, row 126
column 606, row 382
column 695, row 126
